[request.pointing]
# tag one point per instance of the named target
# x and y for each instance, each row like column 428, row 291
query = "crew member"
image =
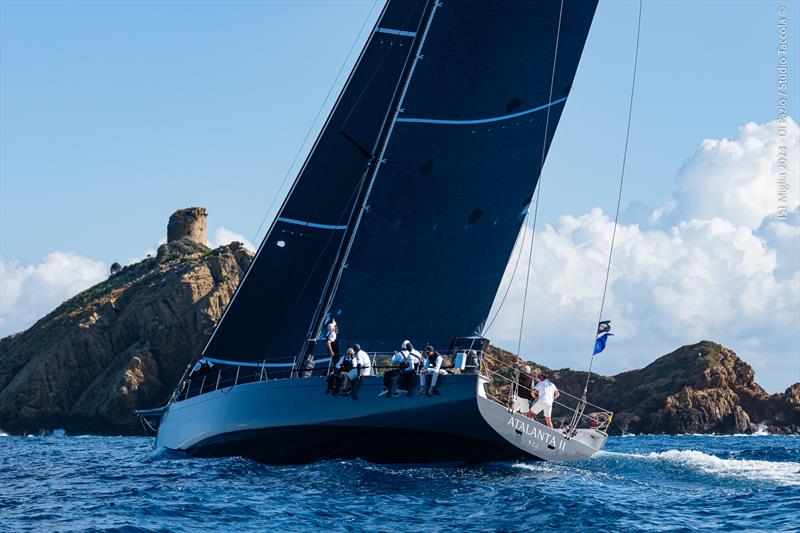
column 524, row 398
column 343, row 368
column 202, row 367
column 546, row 393
column 413, row 360
column 333, row 374
column 432, row 366
column 390, row 377
column 331, row 338
column 473, row 363
column 362, row 367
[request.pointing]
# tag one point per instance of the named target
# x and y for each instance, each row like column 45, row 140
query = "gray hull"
column 294, row 421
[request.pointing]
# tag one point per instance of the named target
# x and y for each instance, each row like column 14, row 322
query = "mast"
column 373, row 167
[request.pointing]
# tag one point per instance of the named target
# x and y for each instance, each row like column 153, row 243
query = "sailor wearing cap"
column 330, row 338
column 431, row 367
column 362, row 367
column 413, row 360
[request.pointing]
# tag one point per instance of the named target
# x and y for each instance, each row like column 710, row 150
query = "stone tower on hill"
column 189, row 223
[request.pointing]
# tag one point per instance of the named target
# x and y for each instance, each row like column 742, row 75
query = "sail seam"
column 309, row 224
column 482, row 120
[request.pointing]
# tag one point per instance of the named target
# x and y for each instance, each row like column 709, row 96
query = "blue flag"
column 600, row 343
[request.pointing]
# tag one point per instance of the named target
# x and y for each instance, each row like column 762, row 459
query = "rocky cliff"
column 698, row 388
column 118, row 346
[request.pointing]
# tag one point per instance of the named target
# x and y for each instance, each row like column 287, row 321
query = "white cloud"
column 736, row 179
column 223, row 236
column 714, row 263
column 28, row 292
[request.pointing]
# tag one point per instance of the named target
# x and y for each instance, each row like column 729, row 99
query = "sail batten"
column 310, row 224
column 392, row 31
column 482, row 120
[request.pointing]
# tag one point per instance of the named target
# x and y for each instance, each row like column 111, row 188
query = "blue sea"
column 640, row 483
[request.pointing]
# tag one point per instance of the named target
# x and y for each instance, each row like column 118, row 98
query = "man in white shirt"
column 330, row 337
column 431, row 367
column 362, row 367
column 545, row 393
column 362, row 361
column 413, row 360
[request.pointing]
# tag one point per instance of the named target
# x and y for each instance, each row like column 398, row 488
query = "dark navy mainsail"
column 277, row 303
column 402, row 220
column 459, row 170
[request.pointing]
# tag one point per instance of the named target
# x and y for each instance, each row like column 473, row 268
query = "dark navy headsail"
column 459, row 170
column 276, row 304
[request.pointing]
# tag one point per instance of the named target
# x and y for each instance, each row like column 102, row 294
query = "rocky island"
column 123, row 345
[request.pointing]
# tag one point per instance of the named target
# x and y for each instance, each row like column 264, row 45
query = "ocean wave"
column 781, row 473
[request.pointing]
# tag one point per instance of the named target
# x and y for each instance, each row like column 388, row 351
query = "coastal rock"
column 118, row 346
column 189, row 223
column 698, row 388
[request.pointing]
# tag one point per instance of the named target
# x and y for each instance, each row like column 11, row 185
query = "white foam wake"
column 783, row 473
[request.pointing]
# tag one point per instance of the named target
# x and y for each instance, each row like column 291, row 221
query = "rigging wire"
column 621, row 181
column 520, row 242
column 313, row 122
column 539, row 185
column 204, row 339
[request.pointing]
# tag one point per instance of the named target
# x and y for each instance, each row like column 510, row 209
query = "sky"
column 115, row 114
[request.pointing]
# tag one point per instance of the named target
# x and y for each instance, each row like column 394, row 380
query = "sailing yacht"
column 399, row 225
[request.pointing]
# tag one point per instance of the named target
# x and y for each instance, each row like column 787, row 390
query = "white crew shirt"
column 362, row 359
column 331, row 335
column 414, row 358
column 547, row 391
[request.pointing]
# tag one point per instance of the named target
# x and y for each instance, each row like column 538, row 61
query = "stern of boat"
column 579, row 427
